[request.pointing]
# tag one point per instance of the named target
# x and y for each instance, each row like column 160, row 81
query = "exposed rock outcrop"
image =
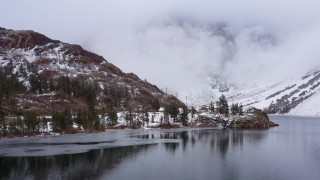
column 253, row 119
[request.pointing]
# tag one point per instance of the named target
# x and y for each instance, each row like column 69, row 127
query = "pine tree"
column 212, row 107
column 34, row 83
column 67, row 117
column 57, row 121
column 80, row 119
column 146, row 118
column 161, row 120
column 240, row 110
column 223, row 105
column 193, row 111
column 152, row 117
column 113, row 117
column 31, row 122
column 62, row 120
column 173, row 110
column 127, row 118
column 272, row 108
column 184, row 115
column 234, row 109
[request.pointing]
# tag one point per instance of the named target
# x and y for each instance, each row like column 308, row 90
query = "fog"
column 178, row 44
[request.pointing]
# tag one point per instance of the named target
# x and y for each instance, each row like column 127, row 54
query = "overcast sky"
column 170, row 42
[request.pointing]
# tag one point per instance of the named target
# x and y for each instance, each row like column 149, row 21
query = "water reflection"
column 89, row 165
column 97, row 163
column 218, row 139
column 171, row 147
column 290, row 151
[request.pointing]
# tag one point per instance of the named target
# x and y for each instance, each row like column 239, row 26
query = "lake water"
column 290, row 151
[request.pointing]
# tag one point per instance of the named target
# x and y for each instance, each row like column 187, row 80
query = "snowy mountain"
column 281, row 97
column 54, row 72
column 251, row 70
column 298, row 96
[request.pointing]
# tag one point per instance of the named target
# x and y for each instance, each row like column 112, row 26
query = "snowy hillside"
column 299, row 96
column 55, row 72
column 309, row 107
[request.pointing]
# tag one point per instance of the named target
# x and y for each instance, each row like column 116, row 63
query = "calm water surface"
column 290, row 151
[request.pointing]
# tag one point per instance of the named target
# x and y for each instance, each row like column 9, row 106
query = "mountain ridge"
column 36, row 59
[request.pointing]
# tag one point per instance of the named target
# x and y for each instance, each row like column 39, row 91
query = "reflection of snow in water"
column 290, row 151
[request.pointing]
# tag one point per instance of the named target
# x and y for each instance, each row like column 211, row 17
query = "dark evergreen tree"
column 31, row 121
column 223, row 105
column 166, row 117
column 212, row 110
column 193, row 111
column 34, row 83
column 173, row 110
column 68, row 119
column 113, row 117
column 152, row 117
column 128, row 118
column 146, row 117
column 57, row 121
column 240, row 110
column 161, row 120
column 80, row 118
column 184, row 115
column 62, row 120
column 234, row 109
column 272, row 108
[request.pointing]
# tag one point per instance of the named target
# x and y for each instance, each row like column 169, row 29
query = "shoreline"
column 52, row 134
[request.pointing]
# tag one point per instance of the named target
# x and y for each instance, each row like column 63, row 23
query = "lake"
column 290, row 151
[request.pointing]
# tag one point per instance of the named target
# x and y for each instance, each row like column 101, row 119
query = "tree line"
column 222, row 107
column 9, row 87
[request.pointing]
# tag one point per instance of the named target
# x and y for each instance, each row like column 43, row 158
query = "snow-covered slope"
column 39, row 61
column 309, row 107
column 279, row 97
column 299, row 96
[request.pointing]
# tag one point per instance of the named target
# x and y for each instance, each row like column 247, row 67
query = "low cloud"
column 178, row 44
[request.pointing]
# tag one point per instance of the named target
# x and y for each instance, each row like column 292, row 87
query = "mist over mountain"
column 186, row 47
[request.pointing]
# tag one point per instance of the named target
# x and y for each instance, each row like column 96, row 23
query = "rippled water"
column 290, row 151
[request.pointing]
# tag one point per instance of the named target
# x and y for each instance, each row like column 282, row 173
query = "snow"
column 309, row 107
column 262, row 95
column 46, row 58
column 245, row 94
column 156, row 116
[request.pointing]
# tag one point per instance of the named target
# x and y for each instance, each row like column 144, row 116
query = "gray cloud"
column 176, row 43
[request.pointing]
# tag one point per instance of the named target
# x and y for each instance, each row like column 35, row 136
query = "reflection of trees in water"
column 218, row 139
column 170, row 135
column 185, row 138
column 172, row 147
column 89, row 165
column 237, row 137
column 223, row 141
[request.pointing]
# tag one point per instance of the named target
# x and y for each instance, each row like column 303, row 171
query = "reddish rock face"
column 22, row 39
column 34, row 53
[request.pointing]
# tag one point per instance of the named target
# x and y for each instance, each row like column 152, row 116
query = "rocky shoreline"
column 255, row 119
